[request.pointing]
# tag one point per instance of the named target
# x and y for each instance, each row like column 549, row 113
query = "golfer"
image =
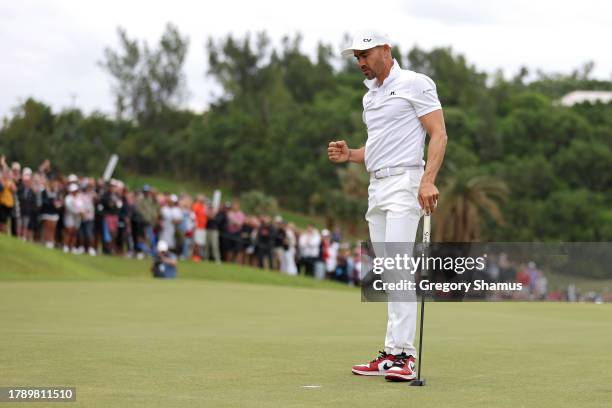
column 399, row 108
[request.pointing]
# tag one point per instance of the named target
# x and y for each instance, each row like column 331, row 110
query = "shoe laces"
column 400, row 360
column 381, row 355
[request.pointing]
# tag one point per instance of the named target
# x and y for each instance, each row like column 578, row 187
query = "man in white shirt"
column 399, row 108
column 309, row 244
column 171, row 216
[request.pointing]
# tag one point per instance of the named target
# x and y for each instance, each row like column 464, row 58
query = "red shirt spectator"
column 199, row 209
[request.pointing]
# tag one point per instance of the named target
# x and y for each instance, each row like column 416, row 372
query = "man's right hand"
column 338, row 152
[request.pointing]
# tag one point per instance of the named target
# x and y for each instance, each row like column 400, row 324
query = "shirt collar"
column 373, row 83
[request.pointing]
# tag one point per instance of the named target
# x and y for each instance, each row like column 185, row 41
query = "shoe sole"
column 399, row 377
column 370, row 373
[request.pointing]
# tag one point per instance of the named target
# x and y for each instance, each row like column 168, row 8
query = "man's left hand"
column 428, row 196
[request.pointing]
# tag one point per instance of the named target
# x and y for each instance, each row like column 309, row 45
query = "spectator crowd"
column 84, row 215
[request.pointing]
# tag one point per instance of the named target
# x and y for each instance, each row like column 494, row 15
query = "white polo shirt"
column 391, row 113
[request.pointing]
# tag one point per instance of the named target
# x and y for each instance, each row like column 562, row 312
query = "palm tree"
column 463, row 199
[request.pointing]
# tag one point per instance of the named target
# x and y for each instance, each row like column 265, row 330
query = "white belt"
column 391, row 171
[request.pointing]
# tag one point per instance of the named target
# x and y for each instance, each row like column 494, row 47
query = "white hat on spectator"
column 73, row 178
column 26, row 172
column 325, row 232
column 173, row 198
column 72, row 188
column 162, row 246
column 16, row 166
column 278, row 219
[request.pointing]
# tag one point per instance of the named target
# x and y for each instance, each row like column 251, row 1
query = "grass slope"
column 26, row 261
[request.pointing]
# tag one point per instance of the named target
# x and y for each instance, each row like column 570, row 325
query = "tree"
column 31, row 126
column 147, row 81
column 256, row 202
column 464, row 200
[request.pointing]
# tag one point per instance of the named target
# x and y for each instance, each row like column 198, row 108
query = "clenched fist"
column 338, row 152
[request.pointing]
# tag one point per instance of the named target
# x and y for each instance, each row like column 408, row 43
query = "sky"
column 50, row 49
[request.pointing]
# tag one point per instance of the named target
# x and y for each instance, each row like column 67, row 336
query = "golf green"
column 135, row 342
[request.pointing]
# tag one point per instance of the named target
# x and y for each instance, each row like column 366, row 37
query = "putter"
column 420, row 381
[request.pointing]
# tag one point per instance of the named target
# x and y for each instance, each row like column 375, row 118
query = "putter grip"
column 426, row 229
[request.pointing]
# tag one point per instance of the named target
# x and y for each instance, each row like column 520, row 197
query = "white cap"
column 72, row 188
column 73, row 178
column 27, row 171
column 325, row 232
column 364, row 40
column 162, row 246
column 173, row 198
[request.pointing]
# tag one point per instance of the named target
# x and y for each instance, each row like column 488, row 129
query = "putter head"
column 418, row 382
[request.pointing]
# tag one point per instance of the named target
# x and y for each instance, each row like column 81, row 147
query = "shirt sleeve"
column 423, row 95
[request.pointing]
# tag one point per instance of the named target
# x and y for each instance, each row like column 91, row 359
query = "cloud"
column 50, row 48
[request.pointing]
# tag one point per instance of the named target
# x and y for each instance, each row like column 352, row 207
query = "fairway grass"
column 199, row 343
column 229, row 336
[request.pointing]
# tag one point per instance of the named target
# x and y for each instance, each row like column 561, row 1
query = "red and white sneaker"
column 378, row 366
column 403, row 369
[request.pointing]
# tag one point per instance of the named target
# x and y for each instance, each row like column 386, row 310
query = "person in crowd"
column 86, row 229
column 123, row 240
column 309, row 245
column 171, row 216
column 73, row 212
column 45, row 170
column 248, row 234
column 148, row 209
column 264, row 243
column 356, row 277
column 27, row 206
column 38, row 185
column 187, row 226
column 279, row 243
column 235, row 220
column 343, row 267
column 51, row 203
column 331, row 248
column 16, row 210
column 111, row 206
column 164, row 262
column 7, row 194
column 290, row 267
column 212, row 236
column 199, row 235
column 321, row 262
column 224, row 236
column 136, row 226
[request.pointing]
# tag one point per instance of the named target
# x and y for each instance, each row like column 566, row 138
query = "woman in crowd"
column 73, row 212
column 51, row 200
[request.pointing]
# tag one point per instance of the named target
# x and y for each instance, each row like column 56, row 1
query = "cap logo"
column 367, row 39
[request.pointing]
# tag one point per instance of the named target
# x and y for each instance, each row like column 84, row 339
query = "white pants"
column 393, row 216
column 290, row 266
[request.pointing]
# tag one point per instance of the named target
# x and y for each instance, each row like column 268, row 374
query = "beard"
column 369, row 74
